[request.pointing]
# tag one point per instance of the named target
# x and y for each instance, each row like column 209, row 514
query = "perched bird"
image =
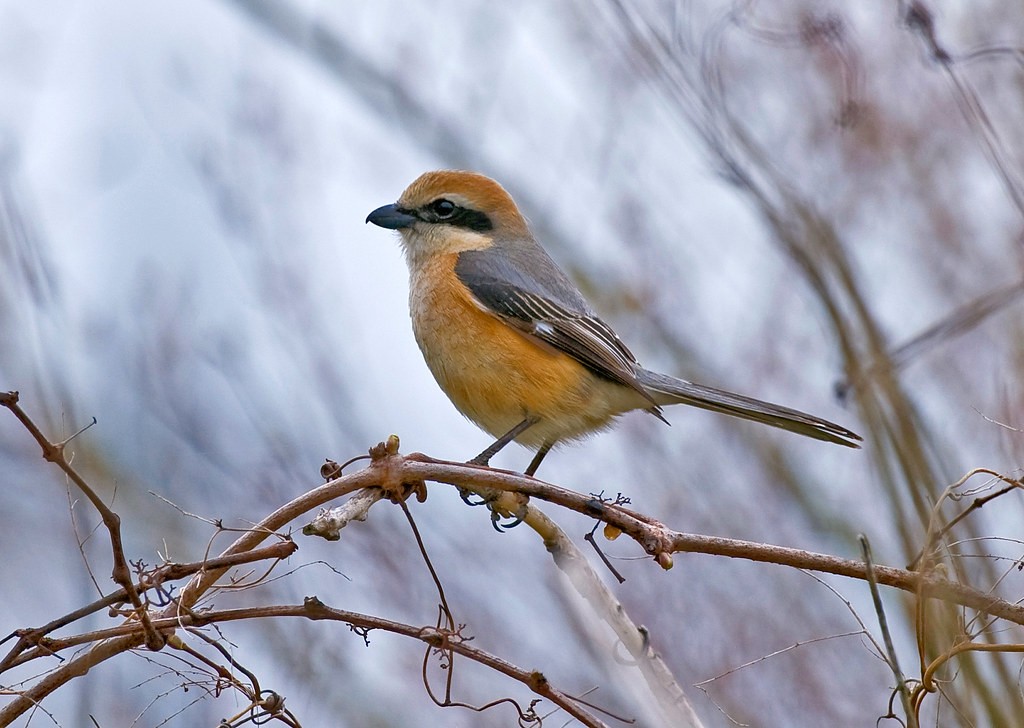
column 512, row 341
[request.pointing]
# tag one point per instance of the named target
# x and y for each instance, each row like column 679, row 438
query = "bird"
column 512, row 341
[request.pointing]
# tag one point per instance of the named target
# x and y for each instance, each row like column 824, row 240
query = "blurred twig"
column 960, row 321
column 919, row 18
column 890, row 651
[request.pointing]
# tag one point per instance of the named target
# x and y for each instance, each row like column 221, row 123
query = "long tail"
column 669, row 390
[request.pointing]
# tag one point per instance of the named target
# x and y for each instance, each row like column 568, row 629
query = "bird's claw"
column 475, row 499
column 467, row 498
column 502, row 527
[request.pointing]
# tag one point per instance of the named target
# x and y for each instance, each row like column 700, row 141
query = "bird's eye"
column 444, row 209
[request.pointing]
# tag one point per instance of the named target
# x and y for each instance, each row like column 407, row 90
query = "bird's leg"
column 535, row 463
column 530, row 470
column 485, row 457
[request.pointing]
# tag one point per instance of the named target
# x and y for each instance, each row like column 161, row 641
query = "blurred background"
column 815, row 203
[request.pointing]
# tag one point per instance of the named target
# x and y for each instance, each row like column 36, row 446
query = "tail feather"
column 669, row 390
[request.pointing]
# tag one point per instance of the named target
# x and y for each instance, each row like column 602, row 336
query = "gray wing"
column 542, row 302
column 526, row 266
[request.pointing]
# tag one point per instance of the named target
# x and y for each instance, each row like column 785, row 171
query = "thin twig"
column 121, row 574
column 166, row 573
column 936, row 535
column 314, row 609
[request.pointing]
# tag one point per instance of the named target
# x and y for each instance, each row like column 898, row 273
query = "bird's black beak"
column 392, row 217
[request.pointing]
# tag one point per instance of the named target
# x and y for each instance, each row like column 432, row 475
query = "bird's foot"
column 471, row 498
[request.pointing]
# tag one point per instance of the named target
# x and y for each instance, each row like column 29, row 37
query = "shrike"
column 512, row 341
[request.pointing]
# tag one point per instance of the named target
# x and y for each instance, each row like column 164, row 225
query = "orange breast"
column 495, row 375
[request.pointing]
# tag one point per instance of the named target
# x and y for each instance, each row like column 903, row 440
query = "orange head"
column 450, row 212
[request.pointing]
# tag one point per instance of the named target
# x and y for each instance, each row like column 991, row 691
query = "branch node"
column 538, row 683
column 384, row 458
column 314, row 608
